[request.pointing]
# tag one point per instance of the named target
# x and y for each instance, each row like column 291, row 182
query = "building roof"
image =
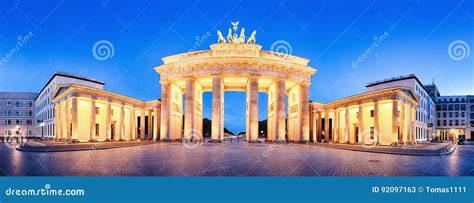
column 403, row 77
column 68, row 75
column 18, row 95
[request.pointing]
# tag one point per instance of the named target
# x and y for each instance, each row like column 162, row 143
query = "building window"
column 444, row 122
column 450, row 122
column 372, row 112
column 8, row 122
column 463, row 114
column 456, row 107
column 450, row 114
column 18, row 113
column 8, row 103
column 444, row 114
column 17, row 103
column 463, row 107
column 438, row 123
column 450, row 107
column 457, row 122
column 97, row 110
column 372, row 132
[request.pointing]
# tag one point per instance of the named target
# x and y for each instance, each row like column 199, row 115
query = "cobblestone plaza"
column 232, row 159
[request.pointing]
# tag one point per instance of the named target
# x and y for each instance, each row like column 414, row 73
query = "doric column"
column 252, row 92
column 68, row 120
column 314, row 126
column 156, row 123
column 121, row 125
column 376, row 123
column 280, row 110
column 57, row 122
column 326, row 126
column 108, row 120
column 92, row 122
column 142, row 124
column 402, row 124
column 395, row 122
column 133, row 124
column 74, row 118
column 360, row 116
column 190, row 109
column 304, row 101
column 347, row 129
column 319, row 126
column 217, row 108
column 335, row 129
column 149, row 135
column 165, row 110
column 413, row 120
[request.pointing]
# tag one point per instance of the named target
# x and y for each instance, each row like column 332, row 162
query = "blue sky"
column 332, row 34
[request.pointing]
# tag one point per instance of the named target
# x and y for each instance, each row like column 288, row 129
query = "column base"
column 253, row 141
column 346, row 142
column 305, row 142
column 122, row 140
column 93, row 140
column 133, row 140
column 61, row 140
column 74, row 141
column 108, row 140
column 216, row 141
column 394, row 144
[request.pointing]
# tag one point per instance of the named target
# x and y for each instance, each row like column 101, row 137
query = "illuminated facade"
column 379, row 117
column 87, row 114
column 383, row 116
column 235, row 65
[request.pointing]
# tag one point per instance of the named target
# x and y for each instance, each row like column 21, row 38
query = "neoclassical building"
column 235, row 65
column 383, row 116
column 379, row 117
column 88, row 114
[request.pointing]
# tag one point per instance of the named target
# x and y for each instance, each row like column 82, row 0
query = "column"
column 413, row 120
column 108, row 121
column 360, row 116
column 376, row 123
column 190, row 109
column 121, row 126
column 156, row 123
column 402, row 123
column 74, row 119
column 304, row 101
column 319, row 126
column 252, row 92
column 149, row 135
column 142, row 124
column 165, row 110
column 217, row 108
column 395, row 138
column 314, row 124
column 347, row 125
column 92, row 122
column 280, row 110
column 133, row 124
column 326, row 126
column 57, row 122
column 335, row 129
column 68, row 120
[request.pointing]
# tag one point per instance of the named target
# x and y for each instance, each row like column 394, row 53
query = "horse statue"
column 221, row 38
column 252, row 39
column 242, row 36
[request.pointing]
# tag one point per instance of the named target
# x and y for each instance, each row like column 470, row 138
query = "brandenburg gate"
column 235, row 64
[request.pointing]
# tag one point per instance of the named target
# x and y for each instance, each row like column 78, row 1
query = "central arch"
column 235, row 67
